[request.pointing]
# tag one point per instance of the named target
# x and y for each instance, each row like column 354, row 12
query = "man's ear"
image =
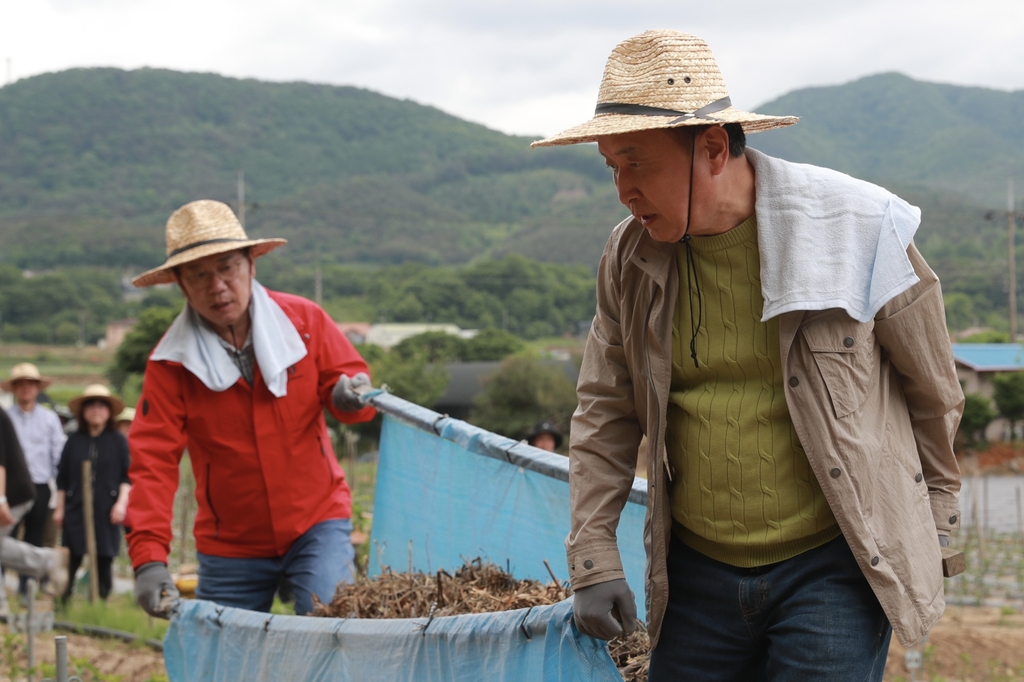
column 716, row 145
column 252, row 265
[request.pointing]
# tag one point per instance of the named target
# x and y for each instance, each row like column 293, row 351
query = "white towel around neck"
column 828, row 240
column 276, row 344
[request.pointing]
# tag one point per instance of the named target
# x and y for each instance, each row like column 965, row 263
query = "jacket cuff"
column 592, row 565
column 946, row 518
column 148, row 553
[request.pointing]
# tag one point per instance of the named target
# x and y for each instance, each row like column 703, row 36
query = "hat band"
column 644, row 110
column 204, row 243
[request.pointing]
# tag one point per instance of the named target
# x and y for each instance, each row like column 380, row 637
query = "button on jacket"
column 264, row 467
column 875, row 406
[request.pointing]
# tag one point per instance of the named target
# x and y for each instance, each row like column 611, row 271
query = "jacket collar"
column 653, row 257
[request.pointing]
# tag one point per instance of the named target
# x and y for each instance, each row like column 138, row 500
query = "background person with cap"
column 772, row 330
column 17, row 493
column 42, row 439
column 545, row 436
column 241, row 379
column 97, row 440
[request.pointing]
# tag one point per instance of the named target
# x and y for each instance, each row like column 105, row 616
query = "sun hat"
column 95, row 392
column 126, row 415
column 24, row 371
column 548, row 428
column 199, row 229
column 662, row 79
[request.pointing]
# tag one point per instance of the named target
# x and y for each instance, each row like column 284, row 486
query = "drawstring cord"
column 691, row 267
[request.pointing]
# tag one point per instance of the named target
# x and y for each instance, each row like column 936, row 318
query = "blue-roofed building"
column 975, row 365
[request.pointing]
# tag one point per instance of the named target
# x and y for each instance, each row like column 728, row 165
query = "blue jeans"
column 321, row 558
column 812, row 617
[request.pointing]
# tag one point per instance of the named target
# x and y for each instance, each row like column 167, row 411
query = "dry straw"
column 662, row 79
column 199, row 229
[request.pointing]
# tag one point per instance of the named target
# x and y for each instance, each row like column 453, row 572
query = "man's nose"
column 626, row 187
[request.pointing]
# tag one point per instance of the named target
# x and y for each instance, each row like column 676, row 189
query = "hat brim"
column 603, row 125
column 8, row 385
column 115, row 404
column 163, row 274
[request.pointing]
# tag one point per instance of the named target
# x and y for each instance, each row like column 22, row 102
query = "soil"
column 88, row 656
column 969, row 643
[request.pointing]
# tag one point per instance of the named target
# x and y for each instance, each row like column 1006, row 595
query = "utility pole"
column 1010, row 221
column 241, row 197
column 318, row 286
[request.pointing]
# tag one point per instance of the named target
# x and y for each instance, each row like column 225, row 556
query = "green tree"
column 431, row 346
column 959, row 310
column 521, row 393
column 132, row 354
column 491, row 344
column 978, row 414
column 411, row 378
column 1008, row 392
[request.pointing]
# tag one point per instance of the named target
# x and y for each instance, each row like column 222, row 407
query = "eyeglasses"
column 228, row 272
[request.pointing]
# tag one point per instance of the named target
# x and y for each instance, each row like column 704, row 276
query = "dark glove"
column 154, row 589
column 605, row 610
column 344, row 395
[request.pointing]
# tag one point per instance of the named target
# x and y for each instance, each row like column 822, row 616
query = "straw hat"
column 199, row 229
column 127, row 415
column 96, row 392
column 24, row 371
column 662, row 79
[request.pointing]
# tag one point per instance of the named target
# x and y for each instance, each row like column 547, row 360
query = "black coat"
column 110, row 470
column 20, row 488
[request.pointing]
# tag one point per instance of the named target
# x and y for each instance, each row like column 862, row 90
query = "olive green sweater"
column 743, row 492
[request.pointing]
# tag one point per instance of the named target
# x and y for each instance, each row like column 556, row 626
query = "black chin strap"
column 692, row 281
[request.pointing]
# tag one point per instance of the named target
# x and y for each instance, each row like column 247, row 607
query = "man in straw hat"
column 42, row 439
column 772, row 330
column 241, row 378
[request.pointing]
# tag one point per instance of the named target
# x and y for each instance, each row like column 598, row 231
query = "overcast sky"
column 521, row 66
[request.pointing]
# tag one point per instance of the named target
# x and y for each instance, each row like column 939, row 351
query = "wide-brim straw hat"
column 95, row 392
column 662, row 79
column 24, row 371
column 199, row 229
column 126, row 415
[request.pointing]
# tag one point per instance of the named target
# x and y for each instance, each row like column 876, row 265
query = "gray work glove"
column 154, row 589
column 943, row 541
column 344, row 395
column 605, row 610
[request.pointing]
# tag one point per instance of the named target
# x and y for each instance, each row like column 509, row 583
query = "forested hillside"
column 92, row 161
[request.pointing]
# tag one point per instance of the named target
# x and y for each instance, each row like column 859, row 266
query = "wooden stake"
column 90, row 530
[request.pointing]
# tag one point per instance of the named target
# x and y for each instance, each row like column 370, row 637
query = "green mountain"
column 92, row 161
column 893, row 129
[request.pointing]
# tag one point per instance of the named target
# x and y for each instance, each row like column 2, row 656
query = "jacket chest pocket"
column 847, row 357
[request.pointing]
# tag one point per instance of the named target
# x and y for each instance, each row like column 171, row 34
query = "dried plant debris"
column 476, row 587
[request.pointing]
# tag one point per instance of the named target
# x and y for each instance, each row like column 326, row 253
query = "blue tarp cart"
column 446, row 492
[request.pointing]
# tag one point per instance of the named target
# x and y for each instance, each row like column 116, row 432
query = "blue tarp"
column 446, row 492
column 439, row 502
column 211, row 643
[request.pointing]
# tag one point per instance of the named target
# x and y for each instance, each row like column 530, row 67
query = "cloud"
column 527, row 66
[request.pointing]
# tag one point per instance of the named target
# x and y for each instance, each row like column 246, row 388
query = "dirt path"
column 969, row 644
column 86, row 658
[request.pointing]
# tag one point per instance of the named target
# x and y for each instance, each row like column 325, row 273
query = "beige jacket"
column 875, row 406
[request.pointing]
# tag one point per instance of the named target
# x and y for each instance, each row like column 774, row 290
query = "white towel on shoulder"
column 828, row 240
column 276, row 344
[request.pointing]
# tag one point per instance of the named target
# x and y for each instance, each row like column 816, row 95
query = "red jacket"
column 264, row 467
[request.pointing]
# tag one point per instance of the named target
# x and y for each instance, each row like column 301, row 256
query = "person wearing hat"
column 17, row 493
column 242, row 378
column 98, row 441
column 772, row 330
column 42, row 439
column 545, row 436
column 124, row 421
